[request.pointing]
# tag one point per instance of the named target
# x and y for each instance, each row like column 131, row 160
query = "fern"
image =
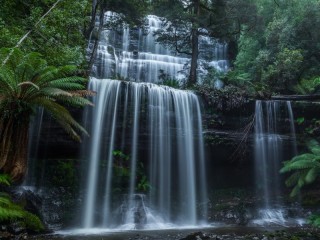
column 27, row 82
column 5, row 179
column 10, row 211
column 305, row 168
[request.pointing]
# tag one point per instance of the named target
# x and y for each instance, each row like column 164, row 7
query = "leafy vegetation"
column 281, row 52
column 305, row 168
column 27, row 82
column 59, row 37
column 10, row 211
column 121, row 167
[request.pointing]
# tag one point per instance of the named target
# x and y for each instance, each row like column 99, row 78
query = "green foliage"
column 60, row 36
column 27, row 82
column 305, row 168
column 10, row 211
column 5, row 179
column 121, row 176
column 308, row 86
column 143, row 184
column 314, row 219
column 281, row 51
column 300, row 120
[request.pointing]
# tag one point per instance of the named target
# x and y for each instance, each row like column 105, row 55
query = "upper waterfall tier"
column 133, row 54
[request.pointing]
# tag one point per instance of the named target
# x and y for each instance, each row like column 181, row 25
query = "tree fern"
column 27, row 82
column 305, row 168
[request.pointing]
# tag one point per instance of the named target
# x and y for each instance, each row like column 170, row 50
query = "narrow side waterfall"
column 269, row 153
column 164, row 180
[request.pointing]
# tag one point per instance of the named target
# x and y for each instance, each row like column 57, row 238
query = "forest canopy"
column 273, row 45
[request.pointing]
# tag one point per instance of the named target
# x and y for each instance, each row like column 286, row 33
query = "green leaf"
column 300, row 120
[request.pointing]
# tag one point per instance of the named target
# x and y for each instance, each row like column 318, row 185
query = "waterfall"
column 34, row 140
column 145, row 163
column 134, row 55
column 269, row 149
column 171, row 121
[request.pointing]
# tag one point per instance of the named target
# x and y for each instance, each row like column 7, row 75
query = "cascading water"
column 134, row 54
column 269, row 149
column 158, row 127
column 172, row 122
column 34, row 139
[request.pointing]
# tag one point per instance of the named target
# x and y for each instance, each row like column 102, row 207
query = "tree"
column 186, row 21
column 129, row 11
column 60, row 36
column 282, row 49
column 27, row 82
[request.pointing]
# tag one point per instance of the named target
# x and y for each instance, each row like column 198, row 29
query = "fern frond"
column 312, row 174
column 7, row 81
column 68, row 86
column 62, row 116
column 75, row 101
column 293, row 179
column 73, row 79
column 295, row 191
column 5, row 179
column 298, row 165
column 83, row 93
column 54, row 92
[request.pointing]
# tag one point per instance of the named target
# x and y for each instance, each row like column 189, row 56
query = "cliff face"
column 228, row 138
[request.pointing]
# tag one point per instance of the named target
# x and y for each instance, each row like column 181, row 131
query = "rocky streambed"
column 219, row 233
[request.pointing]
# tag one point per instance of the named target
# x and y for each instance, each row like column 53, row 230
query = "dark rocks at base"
column 196, row 236
column 13, row 231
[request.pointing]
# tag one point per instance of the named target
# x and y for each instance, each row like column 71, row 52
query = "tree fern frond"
column 315, row 150
column 62, row 116
column 55, row 92
column 30, row 84
column 75, row 101
column 83, row 93
column 295, row 191
column 68, row 86
column 7, row 81
column 65, row 80
column 298, row 165
column 46, row 75
column 293, row 179
column 311, row 175
column 301, row 182
column 305, row 156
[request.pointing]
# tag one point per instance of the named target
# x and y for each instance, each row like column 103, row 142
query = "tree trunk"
column 194, row 45
column 14, row 146
column 96, row 40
